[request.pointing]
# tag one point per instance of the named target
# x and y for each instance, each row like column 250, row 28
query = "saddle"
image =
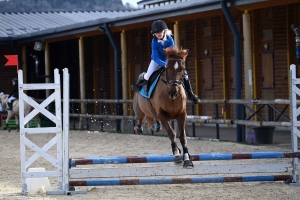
column 13, row 103
column 151, row 84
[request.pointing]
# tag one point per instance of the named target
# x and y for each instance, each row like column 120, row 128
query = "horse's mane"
column 174, row 51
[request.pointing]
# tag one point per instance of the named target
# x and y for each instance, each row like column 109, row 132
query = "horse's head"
column 175, row 68
column 3, row 100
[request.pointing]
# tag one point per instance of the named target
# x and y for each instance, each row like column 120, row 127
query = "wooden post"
column 82, row 76
column 47, row 67
column 176, row 35
column 24, row 64
column 124, row 71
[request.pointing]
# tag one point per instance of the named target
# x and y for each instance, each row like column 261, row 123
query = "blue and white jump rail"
column 156, row 181
column 170, row 158
column 175, row 170
column 70, row 175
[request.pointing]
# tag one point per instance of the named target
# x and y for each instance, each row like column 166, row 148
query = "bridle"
column 168, row 82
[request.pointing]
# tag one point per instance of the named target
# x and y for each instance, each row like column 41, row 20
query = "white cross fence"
column 61, row 138
column 61, row 131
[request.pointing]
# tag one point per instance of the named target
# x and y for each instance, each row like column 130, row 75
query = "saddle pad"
column 151, row 89
column 15, row 102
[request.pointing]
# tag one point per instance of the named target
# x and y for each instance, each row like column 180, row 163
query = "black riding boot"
column 139, row 83
column 191, row 96
column 9, row 106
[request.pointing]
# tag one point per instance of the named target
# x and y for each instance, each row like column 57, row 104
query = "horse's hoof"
column 138, row 130
column 188, row 164
column 8, row 130
column 178, row 159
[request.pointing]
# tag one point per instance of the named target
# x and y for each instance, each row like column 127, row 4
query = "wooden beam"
column 265, row 4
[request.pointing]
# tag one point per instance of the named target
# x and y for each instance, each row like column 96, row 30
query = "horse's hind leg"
column 37, row 120
column 138, row 128
column 139, row 115
column 187, row 163
column 17, row 124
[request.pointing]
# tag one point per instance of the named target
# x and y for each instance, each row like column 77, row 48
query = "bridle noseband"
column 170, row 83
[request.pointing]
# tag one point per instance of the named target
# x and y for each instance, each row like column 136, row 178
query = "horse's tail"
column 150, row 122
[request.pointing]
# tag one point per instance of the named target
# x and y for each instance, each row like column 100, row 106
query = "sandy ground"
column 84, row 143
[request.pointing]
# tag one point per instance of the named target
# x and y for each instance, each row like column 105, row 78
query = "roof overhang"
column 170, row 12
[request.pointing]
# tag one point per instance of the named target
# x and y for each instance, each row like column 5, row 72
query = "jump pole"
column 155, row 181
column 169, row 158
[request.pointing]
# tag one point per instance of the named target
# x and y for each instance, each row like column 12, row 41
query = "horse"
column 168, row 102
column 15, row 111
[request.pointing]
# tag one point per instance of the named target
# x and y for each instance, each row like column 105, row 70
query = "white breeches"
column 11, row 99
column 153, row 66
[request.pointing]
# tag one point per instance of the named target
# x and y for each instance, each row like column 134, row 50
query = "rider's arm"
column 155, row 56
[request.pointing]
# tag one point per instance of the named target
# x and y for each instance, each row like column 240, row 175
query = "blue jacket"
column 158, row 54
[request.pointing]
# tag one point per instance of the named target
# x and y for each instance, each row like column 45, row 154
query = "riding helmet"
column 15, row 80
column 158, row 26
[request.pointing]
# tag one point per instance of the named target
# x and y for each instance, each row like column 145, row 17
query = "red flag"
column 12, row 61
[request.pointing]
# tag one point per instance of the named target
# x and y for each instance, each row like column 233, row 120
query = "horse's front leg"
column 138, row 114
column 181, row 120
column 172, row 136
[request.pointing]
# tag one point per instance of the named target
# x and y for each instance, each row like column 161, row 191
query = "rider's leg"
column 139, row 83
column 9, row 102
column 141, row 80
column 144, row 77
column 187, row 84
column 153, row 66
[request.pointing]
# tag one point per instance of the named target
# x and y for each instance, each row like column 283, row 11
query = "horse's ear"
column 184, row 53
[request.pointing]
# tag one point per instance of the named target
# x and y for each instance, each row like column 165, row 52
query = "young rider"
column 14, row 93
column 161, row 40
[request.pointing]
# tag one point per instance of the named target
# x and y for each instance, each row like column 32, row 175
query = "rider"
column 161, row 40
column 14, row 94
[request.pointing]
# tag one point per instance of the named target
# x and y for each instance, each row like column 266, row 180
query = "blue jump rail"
column 170, row 158
column 152, row 181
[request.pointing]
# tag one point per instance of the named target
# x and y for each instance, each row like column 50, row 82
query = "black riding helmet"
column 158, row 26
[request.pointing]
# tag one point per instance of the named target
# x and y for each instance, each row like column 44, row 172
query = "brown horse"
column 167, row 102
